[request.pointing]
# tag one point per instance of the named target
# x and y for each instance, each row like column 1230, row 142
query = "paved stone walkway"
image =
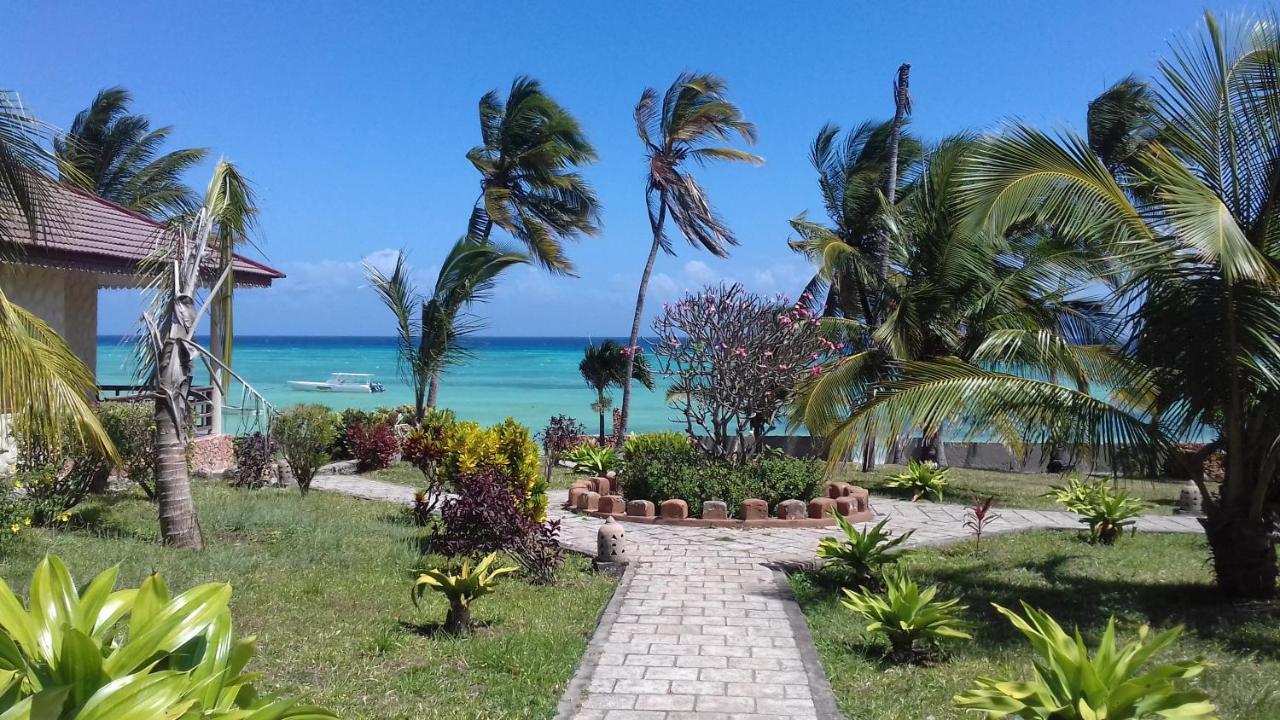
column 703, row 626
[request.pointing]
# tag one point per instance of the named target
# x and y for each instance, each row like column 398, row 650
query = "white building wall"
column 66, row 299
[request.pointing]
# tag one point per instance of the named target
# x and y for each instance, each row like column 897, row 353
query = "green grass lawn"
column 323, row 582
column 1161, row 580
column 406, row 474
column 1017, row 490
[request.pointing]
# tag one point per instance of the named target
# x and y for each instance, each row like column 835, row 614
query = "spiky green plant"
column 862, row 553
column 908, row 616
column 1109, row 514
column 595, row 461
column 98, row 653
column 1071, row 683
column 462, row 589
column 1078, row 494
column 921, row 478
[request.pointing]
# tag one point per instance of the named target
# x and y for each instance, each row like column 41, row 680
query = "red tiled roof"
column 92, row 234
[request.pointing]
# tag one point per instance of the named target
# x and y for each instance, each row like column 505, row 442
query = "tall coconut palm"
column 604, row 366
column 530, row 150
column 117, row 156
column 432, row 340
column 1192, row 213
column 678, row 128
column 40, row 377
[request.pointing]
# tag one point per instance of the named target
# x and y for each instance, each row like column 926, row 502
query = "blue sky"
column 353, row 118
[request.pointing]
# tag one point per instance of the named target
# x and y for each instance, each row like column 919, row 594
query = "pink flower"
column 815, row 356
column 815, row 370
column 768, row 354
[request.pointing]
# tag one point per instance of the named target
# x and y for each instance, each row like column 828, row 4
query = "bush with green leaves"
column 862, row 554
column 252, row 454
column 912, row 620
column 132, row 429
column 304, row 434
column 461, row 589
column 594, row 461
column 662, row 466
column 98, row 653
column 1072, row 684
column 1106, row 510
column 57, row 472
column 921, row 479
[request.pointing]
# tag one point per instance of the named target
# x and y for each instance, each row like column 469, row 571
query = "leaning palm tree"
column 117, row 156
column 431, row 341
column 41, row 379
column 233, row 204
column 677, row 129
column 604, row 366
column 1191, row 211
column 529, row 186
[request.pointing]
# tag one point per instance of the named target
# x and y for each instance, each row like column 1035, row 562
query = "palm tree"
column 530, row 149
column 40, row 377
column 956, row 291
column 433, row 340
column 677, row 129
column 116, row 156
column 604, row 366
column 1190, row 209
column 234, row 207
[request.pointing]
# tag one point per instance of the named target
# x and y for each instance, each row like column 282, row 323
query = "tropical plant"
column 132, row 429
column 40, row 376
column 908, row 616
column 462, row 589
column 235, row 212
column 561, row 435
column 58, row 472
column 116, row 156
column 921, row 478
column 426, row 447
column 1187, row 215
column 1079, row 494
column 594, row 461
column 676, row 130
column 304, row 434
column 529, row 187
column 252, row 455
column 374, row 446
column 1112, row 512
column 862, row 553
column 1072, row 684
column 430, row 330
column 135, row 654
column 977, row 517
column 178, row 270
column 603, row 366
column 735, row 359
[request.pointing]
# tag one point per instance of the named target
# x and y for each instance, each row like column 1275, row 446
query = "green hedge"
column 663, row 466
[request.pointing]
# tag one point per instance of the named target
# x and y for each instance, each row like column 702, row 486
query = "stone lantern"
column 611, row 547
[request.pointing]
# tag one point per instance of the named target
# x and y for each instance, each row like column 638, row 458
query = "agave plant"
column 862, row 552
column 135, row 654
column 1070, row 684
column 1110, row 514
column 921, row 479
column 910, row 617
column 461, row 589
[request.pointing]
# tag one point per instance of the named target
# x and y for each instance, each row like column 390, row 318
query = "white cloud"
column 698, row 271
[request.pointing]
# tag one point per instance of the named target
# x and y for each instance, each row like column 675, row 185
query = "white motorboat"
column 341, row 383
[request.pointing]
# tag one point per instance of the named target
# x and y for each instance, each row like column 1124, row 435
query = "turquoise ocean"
column 529, row 379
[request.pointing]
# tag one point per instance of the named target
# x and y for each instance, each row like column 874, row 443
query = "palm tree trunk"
column 600, row 407
column 901, row 106
column 621, row 431
column 432, row 389
column 1244, row 552
column 178, row 524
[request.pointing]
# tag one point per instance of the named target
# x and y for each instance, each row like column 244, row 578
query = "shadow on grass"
column 435, row 630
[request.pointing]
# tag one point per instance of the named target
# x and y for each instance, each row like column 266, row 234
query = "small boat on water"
column 342, row 383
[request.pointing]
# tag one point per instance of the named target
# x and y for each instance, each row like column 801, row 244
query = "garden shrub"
column 863, row 553
column 507, row 448
column 426, row 447
column 461, row 589
column 373, row 446
column 561, row 435
column 304, row 434
column 1070, row 684
column 253, row 455
column 132, row 654
column 668, row 470
column 346, row 420
column 56, row 472
column 921, row 478
column 908, row 616
column 488, row 516
column 132, row 429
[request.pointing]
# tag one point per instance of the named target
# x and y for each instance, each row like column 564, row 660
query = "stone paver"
column 702, row 627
